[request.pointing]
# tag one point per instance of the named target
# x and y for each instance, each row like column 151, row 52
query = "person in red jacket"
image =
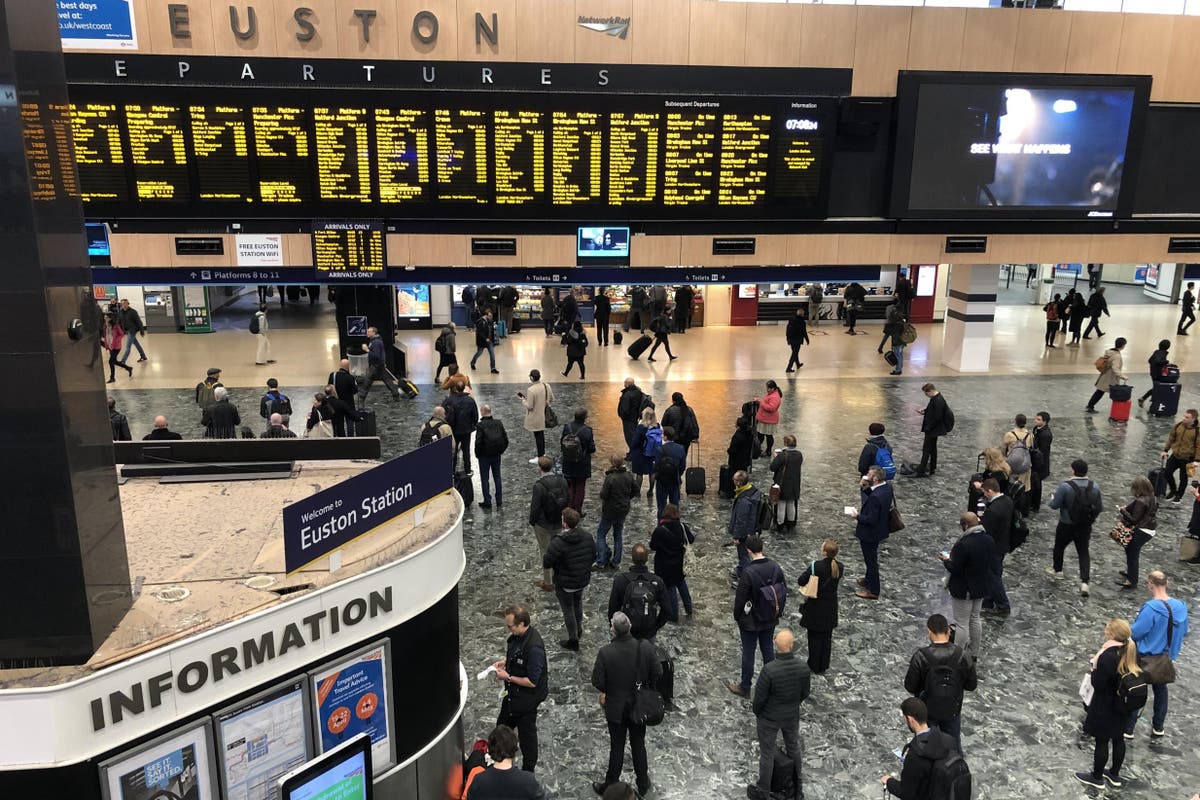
column 767, row 418
column 113, row 340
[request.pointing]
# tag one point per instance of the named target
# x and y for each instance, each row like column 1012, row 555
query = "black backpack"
column 1133, row 691
column 440, row 344
column 950, row 778
column 690, row 425
column 1019, row 532
column 429, row 433
column 667, row 469
column 277, row 403
column 641, row 603
column 572, row 446
column 556, row 499
column 254, row 322
column 1083, row 510
column 949, row 420
column 493, row 438
column 943, row 687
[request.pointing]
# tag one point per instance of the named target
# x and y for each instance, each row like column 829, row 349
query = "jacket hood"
column 1158, row 609
column 931, row 745
column 879, row 441
column 615, row 470
column 975, row 529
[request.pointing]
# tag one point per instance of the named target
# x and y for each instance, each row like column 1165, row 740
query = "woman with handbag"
column 1136, row 525
column 994, row 466
column 820, row 612
column 786, row 468
column 320, row 419
column 1106, row 715
column 539, row 415
column 672, row 543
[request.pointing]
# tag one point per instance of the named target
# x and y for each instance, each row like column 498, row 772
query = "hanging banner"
column 259, row 250
column 97, row 25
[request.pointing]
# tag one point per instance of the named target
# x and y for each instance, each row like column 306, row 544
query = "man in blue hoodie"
column 1150, row 634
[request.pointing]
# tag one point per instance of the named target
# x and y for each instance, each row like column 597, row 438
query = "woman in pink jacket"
column 114, row 339
column 767, row 418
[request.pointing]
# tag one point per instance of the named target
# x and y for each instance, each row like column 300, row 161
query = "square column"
column 970, row 317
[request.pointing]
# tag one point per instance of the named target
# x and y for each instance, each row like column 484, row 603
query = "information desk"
column 784, row 308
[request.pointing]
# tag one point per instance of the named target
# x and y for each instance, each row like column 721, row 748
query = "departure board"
column 334, row 154
column 282, row 152
column 461, row 143
column 402, row 154
column 221, row 152
column 343, row 154
column 37, row 153
column 349, row 248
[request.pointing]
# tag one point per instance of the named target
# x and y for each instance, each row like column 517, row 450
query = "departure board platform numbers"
column 343, row 154
column 633, row 158
column 520, row 148
column 577, row 153
column 99, row 154
column 158, row 151
column 281, row 145
column 745, row 140
column 461, row 143
column 402, row 154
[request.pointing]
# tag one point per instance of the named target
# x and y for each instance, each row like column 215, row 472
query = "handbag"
column 1086, row 690
column 1159, row 668
column 775, row 493
column 1121, row 533
column 551, row 418
column 689, row 552
column 647, row 707
column 322, row 430
column 895, row 521
column 809, row 589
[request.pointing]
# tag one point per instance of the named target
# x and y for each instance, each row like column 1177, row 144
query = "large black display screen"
column 158, row 151
column 977, row 145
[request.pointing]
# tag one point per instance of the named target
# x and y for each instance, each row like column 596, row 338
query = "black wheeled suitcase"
column 725, row 486
column 516, row 325
column 640, row 346
column 367, row 426
column 694, row 478
column 462, row 484
column 617, row 338
column 1164, row 399
column 889, row 357
column 408, row 388
column 1158, row 479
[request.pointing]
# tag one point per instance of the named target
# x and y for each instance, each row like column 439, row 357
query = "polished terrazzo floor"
column 1021, row 727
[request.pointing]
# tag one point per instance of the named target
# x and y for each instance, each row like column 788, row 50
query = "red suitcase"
column 1120, row 410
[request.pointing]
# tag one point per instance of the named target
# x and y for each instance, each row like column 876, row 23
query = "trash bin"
column 359, row 367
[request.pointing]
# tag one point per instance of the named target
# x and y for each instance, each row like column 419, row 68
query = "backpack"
column 1132, row 691
column 572, row 447
column 1082, row 510
column 949, row 419
column 667, row 470
column 1019, row 460
column 770, row 600
column 690, row 426
column 765, row 517
column 653, row 446
column 277, row 403
column 556, row 494
column 908, row 334
column 817, row 294
column 883, row 459
column 1019, row 531
column 950, row 778
column 429, row 433
column 254, row 323
column 942, row 687
column 204, row 394
column 493, row 438
column 641, row 603
column 440, row 344
column 1102, row 363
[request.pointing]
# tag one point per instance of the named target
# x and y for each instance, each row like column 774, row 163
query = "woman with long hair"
column 1106, row 715
column 1051, row 310
column 670, row 541
column 767, row 418
column 820, row 614
column 994, row 466
column 113, row 339
column 320, row 419
column 1141, row 515
column 647, row 447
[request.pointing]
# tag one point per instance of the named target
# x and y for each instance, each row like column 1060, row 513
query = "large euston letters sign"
column 334, row 517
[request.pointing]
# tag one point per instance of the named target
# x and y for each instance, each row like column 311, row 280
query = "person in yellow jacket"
column 1180, row 451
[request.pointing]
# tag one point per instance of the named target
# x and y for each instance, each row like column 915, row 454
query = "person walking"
column 550, row 498
column 668, row 470
column 927, row 747
column 446, row 346
column 767, row 418
column 501, row 781
column 939, row 674
column 647, row 448
column 616, row 492
column 377, row 365
column 1187, row 305
column 757, row 606
column 462, row 414
column 1079, row 311
column 1079, row 502
column 549, row 312
column 660, row 326
column 485, row 336
column 536, row 399
column 1113, row 373
column 577, row 343
column 1107, row 719
column 669, row 543
column 937, row 420
column 1096, row 305
column 1158, row 361
column 797, row 335
column 131, row 323
column 893, row 330
column 622, row 666
column 260, row 328
column 1158, row 630
column 1052, row 311
column 854, row 298
column 1093, row 276
column 524, row 673
column 491, row 440
column 641, row 595
column 969, row 563
column 1140, row 516
column 576, row 446
column 680, row 416
column 569, row 557
column 743, row 518
column 629, row 409
column 1182, row 448
column 1064, row 311
column 602, row 313
column 782, row 686
column 1039, row 454
column 819, row 615
column 872, row 528
column 786, row 468
column 113, row 338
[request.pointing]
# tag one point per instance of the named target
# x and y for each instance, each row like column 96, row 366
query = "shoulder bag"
column 1159, row 668
column 689, row 552
column 809, row 589
column 647, row 707
column 895, row 521
column 1121, row 533
column 551, row 415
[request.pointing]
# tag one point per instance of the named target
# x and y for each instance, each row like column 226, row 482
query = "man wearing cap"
column 205, row 389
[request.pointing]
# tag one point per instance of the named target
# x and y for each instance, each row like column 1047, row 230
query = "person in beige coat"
column 1019, row 433
column 1114, row 373
column 536, row 399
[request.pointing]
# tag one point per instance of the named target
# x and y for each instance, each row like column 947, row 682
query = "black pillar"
column 378, row 305
column 64, row 577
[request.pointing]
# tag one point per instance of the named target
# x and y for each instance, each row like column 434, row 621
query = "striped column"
column 970, row 317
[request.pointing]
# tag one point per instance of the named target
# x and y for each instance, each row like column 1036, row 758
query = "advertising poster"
column 261, row 741
column 259, row 250
column 177, row 766
column 1152, row 275
column 412, row 300
column 97, row 24
column 352, row 698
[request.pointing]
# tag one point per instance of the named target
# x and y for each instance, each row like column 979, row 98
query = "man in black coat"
column 683, row 307
column 131, row 323
column 756, row 626
column 525, row 676
column 937, row 422
column 682, row 417
column 602, row 305
column 161, row 432
column 782, row 686
column 939, row 674
column 629, row 409
column 344, row 415
column 641, row 595
column 550, row 496
column 462, row 414
column 997, row 521
column 1039, row 458
column 577, row 445
column 344, row 383
column 570, row 556
column 485, row 333
column 491, row 440
column 969, row 563
column 872, row 522
column 620, row 666
column 220, row 420
column 927, row 746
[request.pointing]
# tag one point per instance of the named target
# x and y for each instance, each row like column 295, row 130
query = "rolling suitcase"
column 889, row 357
column 1158, row 479
column 783, row 776
column 617, row 338
column 502, row 329
column 367, row 426
column 640, row 346
column 516, row 325
column 725, row 486
column 694, row 477
column 1121, row 395
column 462, row 484
column 408, row 388
column 1164, row 399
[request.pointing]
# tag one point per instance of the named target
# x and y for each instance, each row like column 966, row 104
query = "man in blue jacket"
column 668, row 472
column 377, row 365
column 743, row 520
column 1150, row 634
column 872, row 527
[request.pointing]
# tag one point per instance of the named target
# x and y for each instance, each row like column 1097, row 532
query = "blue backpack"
column 883, row 458
column 653, row 446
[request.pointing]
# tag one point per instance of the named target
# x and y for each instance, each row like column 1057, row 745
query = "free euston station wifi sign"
column 330, row 519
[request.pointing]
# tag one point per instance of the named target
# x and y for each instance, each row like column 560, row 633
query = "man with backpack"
column 1111, row 367
column 877, row 452
column 668, row 470
column 1079, row 503
column 872, row 527
column 577, row 444
column 274, row 401
column 435, row 428
column 1182, row 448
column 259, row 327
column 937, row 420
column 1017, row 446
column 629, row 409
column 491, row 440
column 550, row 496
column 939, row 674
column 205, row 389
column 744, row 518
column 757, row 606
column 570, row 556
column 641, row 595
column 781, row 687
column 998, row 516
column 682, row 417
column 933, row 766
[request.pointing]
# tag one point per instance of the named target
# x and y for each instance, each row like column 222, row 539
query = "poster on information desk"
column 352, row 697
